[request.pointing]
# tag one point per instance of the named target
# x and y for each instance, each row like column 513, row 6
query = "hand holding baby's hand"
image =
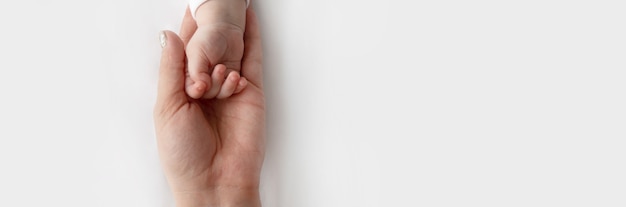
column 211, row 150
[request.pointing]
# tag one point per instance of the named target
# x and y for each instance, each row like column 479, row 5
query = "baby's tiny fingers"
column 217, row 78
column 243, row 82
column 194, row 89
column 230, row 84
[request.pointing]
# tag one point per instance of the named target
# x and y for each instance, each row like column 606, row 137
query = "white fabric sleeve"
column 195, row 4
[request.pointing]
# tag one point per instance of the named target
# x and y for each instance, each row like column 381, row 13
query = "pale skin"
column 215, row 49
column 211, row 150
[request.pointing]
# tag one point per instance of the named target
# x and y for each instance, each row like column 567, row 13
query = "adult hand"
column 211, row 150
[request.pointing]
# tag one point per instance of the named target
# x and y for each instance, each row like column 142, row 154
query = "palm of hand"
column 216, row 142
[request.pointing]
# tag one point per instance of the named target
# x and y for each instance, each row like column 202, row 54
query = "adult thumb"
column 172, row 69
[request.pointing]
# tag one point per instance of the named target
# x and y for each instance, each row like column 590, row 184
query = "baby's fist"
column 214, row 56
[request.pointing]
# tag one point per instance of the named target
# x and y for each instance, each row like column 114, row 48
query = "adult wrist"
column 225, row 197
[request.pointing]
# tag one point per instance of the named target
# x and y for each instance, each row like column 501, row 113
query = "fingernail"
column 163, row 38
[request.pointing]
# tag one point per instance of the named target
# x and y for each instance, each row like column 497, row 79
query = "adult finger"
column 252, row 63
column 172, row 70
column 188, row 27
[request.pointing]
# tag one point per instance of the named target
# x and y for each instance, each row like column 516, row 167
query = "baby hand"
column 214, row 61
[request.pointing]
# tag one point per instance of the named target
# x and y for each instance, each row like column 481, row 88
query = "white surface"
column 371, row 103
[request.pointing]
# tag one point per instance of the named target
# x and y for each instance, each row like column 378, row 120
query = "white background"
column 371, row 103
